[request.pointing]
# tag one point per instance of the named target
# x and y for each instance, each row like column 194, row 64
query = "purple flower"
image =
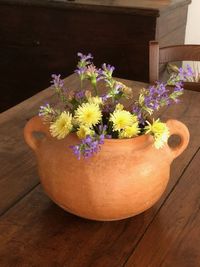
column 76, row 150
column 102, row 128
column 87, row 148
column 84, row 61
column 45, row 110
column 155, row 97
column 138, row 111
column 87, row 140
column 79, row 95
column 190, row 72
column 101, row 139
column 85, row 58
column 104, row 97
column 80, row 70
column 178, row 87
column 106, row 72
column 186, row 74
column 108, row 108
column 116, row 88
column 57, row 82
column 90, row 145
column 47, row 113
column 107, row 68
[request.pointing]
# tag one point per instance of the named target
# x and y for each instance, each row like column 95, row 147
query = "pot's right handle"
column 178, row 128
column 35, row 124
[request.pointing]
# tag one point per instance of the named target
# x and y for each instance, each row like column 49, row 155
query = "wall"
column 192, row 35
column 193, row 22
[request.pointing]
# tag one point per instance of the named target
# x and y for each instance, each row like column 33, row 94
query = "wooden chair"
column 168, row 54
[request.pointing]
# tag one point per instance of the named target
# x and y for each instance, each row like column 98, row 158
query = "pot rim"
column 137, row 141
column 141, row 138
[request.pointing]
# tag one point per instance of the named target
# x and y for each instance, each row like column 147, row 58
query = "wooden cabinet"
column 40, row 37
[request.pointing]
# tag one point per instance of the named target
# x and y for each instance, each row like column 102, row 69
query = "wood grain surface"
column 172, row 238
column 153, row 7
column 36, row 232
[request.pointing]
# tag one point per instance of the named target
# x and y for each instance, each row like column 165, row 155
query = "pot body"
column 125, row 178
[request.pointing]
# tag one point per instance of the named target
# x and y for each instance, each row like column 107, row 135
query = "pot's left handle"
column 35, row 125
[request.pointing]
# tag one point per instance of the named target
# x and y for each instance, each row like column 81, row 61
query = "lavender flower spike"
column 85, row 58
column 186, row 75
column 57, row 82
column 82, row 65
column 79, row 95
column 107, row 70
column 89, row 146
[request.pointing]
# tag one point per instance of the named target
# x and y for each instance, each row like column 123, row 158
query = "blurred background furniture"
column 176, row 53
column 41, row 37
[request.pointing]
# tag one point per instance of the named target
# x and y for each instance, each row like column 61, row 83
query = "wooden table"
column 36, row 232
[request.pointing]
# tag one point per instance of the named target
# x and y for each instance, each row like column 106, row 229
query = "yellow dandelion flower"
column 130, row 131
column 95, row 100
column 62, row 126
column 83, row 131
column 119, row 107
column 160, row 132
column 160, row 140
column 88, row 114
column 122, row 119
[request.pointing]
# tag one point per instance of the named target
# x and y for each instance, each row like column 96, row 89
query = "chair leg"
column 153, row 61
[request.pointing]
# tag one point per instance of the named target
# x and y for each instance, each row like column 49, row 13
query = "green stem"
column 95, row 88
column 109, row 130
column 113, row 100
column 81, row 82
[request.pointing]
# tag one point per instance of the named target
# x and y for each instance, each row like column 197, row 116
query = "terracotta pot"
column 124, row 179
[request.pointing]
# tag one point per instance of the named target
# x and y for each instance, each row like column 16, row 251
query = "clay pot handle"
column 178, row 128
column 35, row 125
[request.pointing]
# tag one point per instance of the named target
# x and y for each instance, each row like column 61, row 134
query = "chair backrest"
column 167, row 54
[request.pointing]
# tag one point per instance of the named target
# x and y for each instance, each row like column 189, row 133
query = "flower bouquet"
column 189, row 75
column 129, row 157
column 94, row 116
